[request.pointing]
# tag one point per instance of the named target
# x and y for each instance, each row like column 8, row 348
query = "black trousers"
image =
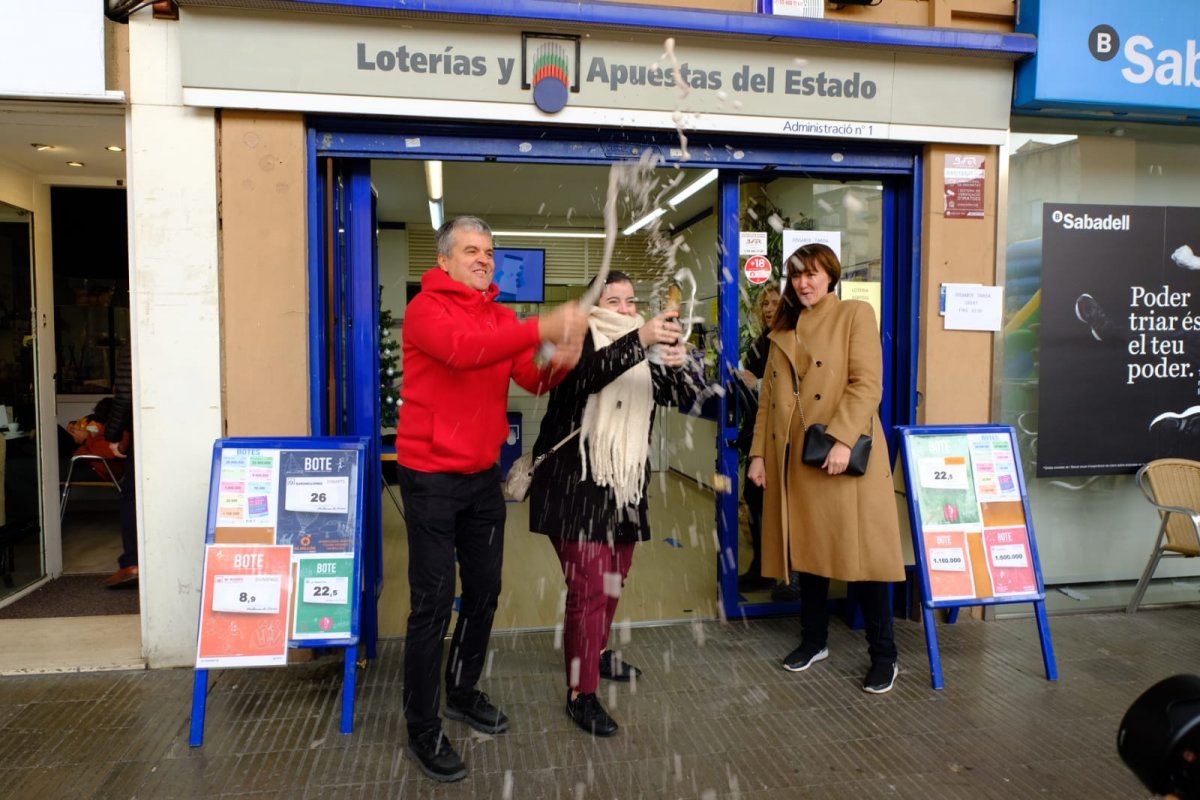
column 449, row 516
column 129, row 542
column 877, row 615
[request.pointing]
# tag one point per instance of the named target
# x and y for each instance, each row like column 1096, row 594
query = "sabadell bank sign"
column 418, row 67
column 1111, row 55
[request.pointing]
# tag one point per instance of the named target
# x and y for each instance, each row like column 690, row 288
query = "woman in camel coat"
column 826, row 365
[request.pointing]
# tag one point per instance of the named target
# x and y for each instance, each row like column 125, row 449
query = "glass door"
column 22, row 560
column 776, row 214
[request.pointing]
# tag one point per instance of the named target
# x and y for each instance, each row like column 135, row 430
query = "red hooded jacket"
column 460, row 349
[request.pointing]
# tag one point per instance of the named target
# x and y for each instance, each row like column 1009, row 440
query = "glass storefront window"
column 22, row 546
column 1095, row 532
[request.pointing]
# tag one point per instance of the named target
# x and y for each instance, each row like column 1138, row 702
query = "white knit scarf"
column 615, row 430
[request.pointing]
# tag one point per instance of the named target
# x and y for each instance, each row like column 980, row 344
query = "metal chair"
column 66, row 489
column 1172, row 485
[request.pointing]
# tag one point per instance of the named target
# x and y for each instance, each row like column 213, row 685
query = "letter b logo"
column 1104, row 42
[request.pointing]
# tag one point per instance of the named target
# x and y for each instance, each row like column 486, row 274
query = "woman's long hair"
column 809, row 258
column 770, row 290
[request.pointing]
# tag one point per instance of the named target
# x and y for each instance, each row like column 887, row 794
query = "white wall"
column 703, row 258
column 689, row 444
column 16, row 187
column 52, row 49
column 175, row 331
column 393, row 271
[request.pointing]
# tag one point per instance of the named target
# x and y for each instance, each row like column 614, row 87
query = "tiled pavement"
column 712, row 717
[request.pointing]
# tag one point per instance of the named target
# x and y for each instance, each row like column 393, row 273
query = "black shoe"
column 785, row 593
column 474, row 708
column 590, row 715
column 436, row 758
column 753, row 582
column 804, row 657
column 881, row 677
column 613, row 668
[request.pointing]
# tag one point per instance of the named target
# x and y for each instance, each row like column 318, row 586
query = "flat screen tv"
column 520, row 274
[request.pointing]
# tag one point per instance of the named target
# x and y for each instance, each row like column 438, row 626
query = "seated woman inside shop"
column 86, row 436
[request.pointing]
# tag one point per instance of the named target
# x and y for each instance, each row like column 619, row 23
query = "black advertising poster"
column 1120, row 338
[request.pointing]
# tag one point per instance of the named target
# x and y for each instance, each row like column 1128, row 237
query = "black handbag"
column 817, row 444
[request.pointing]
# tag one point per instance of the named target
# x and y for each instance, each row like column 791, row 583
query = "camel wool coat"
column 830, row 370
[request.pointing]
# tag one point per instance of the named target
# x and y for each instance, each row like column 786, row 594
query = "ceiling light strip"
column 696, row 185
column 552, row 234
column 644, row 221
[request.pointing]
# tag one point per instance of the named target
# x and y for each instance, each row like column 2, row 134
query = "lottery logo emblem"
column 551, row 69
column 326, row 623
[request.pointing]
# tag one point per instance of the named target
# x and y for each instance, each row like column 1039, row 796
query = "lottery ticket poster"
column 1009, row 562
column 949, row 560
column 322, row 602
column 970, row 520
column 244, row 606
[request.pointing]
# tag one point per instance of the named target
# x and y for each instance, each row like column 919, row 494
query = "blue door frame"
column 340, row 151
column 344, row 343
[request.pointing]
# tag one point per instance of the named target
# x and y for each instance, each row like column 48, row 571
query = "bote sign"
column 758, row 269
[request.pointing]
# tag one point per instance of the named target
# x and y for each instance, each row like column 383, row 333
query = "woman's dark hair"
column 809, row 258
column 614, row 276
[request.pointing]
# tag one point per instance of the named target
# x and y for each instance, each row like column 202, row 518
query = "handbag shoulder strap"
column 564, row 440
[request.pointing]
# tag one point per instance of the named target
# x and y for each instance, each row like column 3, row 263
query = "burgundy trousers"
column 595, row 573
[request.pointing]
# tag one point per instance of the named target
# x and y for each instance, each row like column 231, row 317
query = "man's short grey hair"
column 446, row 233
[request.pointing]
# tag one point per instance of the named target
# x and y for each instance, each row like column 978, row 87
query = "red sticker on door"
column 758, row 269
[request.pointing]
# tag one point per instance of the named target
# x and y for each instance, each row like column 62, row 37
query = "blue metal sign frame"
column 360, row 447
column 1038, row 598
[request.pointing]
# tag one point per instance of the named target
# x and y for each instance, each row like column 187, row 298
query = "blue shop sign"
column 1139, row 58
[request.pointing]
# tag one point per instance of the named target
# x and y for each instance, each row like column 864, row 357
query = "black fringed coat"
column 563, row 503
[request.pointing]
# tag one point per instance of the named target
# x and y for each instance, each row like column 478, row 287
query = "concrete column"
column 175, row 330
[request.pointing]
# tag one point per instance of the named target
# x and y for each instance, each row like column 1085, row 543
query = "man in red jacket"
column 460, row 350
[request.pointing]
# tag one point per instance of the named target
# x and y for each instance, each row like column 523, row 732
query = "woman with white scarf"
column 589, row 494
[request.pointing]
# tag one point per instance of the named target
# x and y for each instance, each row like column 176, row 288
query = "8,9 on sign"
column 246, row 594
